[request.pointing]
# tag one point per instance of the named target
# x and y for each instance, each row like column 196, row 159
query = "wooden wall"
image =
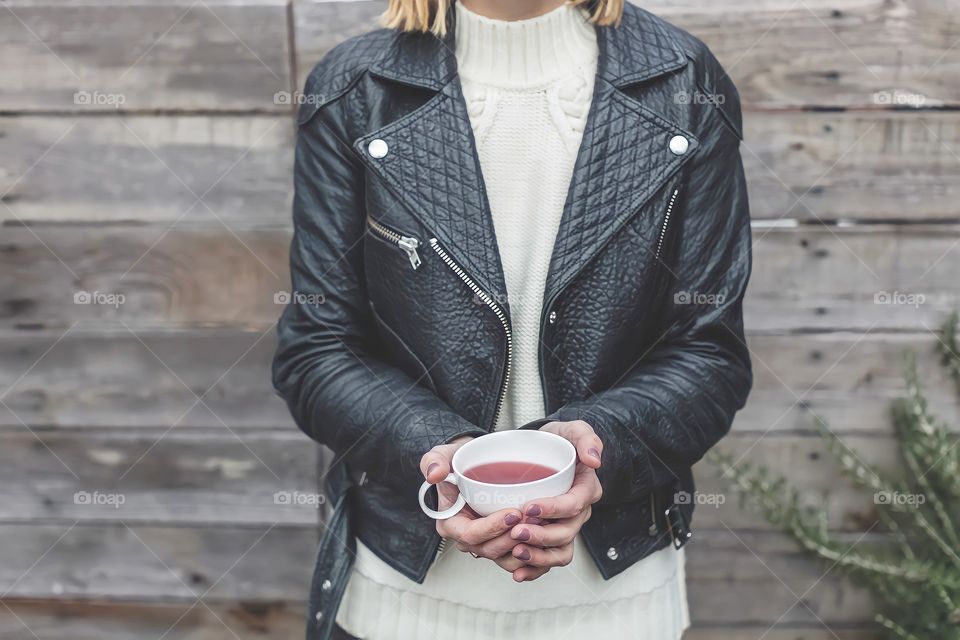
column 143, row 152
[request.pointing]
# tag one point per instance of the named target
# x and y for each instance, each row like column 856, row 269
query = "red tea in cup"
column 509, row 472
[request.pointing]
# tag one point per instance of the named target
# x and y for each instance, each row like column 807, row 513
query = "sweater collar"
column 523, row 53
column 640, row 48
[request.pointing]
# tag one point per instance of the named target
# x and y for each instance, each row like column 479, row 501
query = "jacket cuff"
column 474, row 433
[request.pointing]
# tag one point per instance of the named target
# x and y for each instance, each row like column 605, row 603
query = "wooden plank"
column 808, row 277
column 150, row 476
column 84, row 620
column 860, row 278
column 168, row 277
column 850, row 53
column 196, row 170
column 320, row 26
column 98, row 56
column 261, row 564
column 118, row 379
column 848, row 379
column 853, row 166
column 847, row 53
column 757, row 579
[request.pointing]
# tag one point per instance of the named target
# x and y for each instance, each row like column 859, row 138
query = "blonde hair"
column 431, row 15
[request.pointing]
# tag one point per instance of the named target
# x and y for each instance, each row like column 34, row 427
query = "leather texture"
column 380, row 361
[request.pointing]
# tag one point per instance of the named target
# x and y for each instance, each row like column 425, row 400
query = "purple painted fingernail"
column 511, row 519
column 594, row 453
column 524, row 535
column 432, row 466
column 533, row 510
column 523, row 555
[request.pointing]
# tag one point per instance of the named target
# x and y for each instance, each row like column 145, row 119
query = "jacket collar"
column 638, row 49
column 434, row 169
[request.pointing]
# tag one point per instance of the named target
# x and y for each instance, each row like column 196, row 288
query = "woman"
column 517, row 214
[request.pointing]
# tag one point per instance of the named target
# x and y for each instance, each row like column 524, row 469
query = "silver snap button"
column 678, row 145
column 552, row 318
column 612, row 553
column 377, row 148
column 326, row 585
column 319, row 616
column 652, row 530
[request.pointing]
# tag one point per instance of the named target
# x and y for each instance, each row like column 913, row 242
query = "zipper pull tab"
column 410, row 245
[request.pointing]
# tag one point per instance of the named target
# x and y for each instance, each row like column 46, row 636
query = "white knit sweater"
column 528, row 86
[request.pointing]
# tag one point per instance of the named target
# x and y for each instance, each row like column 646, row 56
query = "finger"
column 556, row 534
column 509, row 563
column 448, row 527
column 537, row 557
column 435, row 464
column 447, row 494
column 526, row 574
column 588, row 443
column 480, row 530
column 585, row 491
column 498, row 547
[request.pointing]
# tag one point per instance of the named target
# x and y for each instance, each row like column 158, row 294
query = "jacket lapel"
column 624, row 157
column 433, row 167
column 432, row 163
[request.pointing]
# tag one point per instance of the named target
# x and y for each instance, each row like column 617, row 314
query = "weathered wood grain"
column 155, row 476
column 167, row 277
column 128, row 381
column 860, row 278
column 120, row 620
column 320, row 26
column 849, row 53
column 196, row 170
column 222, row 55
column 804, row 278
column 852, row 166
column 848, row 379
column 781, row 55
column 260, row 564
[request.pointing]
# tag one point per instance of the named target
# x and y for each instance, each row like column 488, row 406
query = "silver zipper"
column 501, row 316
column 406, row 243
column 666, row 221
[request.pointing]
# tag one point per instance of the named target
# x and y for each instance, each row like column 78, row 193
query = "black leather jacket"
column 398, row 337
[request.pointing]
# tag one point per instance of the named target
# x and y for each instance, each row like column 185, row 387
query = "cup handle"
column 446, row 513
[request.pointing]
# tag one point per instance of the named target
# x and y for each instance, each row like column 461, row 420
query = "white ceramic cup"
column 520, row 445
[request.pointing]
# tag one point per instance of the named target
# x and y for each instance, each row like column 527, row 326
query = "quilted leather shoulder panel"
column 710, row 77
column 341, row 68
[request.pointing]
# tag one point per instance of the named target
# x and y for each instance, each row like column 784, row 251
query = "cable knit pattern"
column 528, row 86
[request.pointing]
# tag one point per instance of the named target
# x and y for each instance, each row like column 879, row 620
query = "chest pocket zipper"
column 407, row 244
column 666, row 222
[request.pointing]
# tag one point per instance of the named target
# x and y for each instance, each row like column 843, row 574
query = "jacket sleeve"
column 371, row 414
column 665, row 414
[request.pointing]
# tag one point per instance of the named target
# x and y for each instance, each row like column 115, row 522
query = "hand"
column 488, row 536
column 550, row 525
